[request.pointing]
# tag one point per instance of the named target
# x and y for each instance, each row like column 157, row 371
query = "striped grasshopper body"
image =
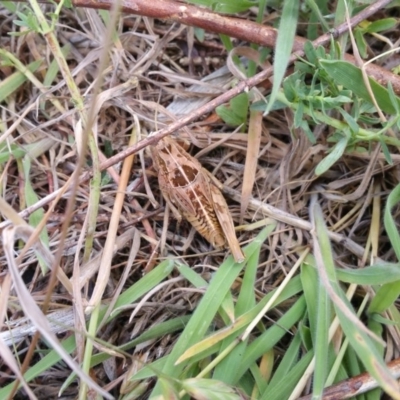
column 191, row 192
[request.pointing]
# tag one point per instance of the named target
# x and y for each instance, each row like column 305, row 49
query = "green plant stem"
column 362, row 134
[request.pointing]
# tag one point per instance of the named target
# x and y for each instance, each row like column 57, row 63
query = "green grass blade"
column 10, row 84
column 271, row 336
column 285, row 386
column 207, row 309
column 289, row 360
column 284, row 45
column 387, row 294
column 310, row 282
column 360, row 341
column 373, row 275
column 321, row 348
column 292, row 289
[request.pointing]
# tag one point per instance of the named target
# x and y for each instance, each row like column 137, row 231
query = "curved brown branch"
column 242, row 29
column 357, row 385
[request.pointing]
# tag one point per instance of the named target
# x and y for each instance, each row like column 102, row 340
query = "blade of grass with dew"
column 387, row 294
column 358, row 338
column 207, row 308
column 284, row 45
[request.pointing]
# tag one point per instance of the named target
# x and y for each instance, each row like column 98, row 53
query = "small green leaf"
column 361, row 43
column 310, row 135
column 236, row 113
column 336, row 152
column 240, row 105
column 393, row 98
column 228, row 116
column 232, row 7
column 383, row 24
column 350, row 121
column 386, row 151
column 298, row 116
column 200, row 34
column 310, row 53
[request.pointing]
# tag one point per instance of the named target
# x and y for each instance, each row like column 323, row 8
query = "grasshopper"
column 191, row 192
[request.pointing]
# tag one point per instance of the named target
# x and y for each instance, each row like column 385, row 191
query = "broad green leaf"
column 236, row 113
column 350, row 76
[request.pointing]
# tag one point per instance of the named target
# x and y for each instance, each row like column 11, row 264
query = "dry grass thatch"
column 104, row 259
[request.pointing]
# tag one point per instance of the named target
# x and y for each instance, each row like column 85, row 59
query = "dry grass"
column 109, row 234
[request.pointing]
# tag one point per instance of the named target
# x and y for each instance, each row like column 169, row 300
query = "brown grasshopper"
column 191, row 191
